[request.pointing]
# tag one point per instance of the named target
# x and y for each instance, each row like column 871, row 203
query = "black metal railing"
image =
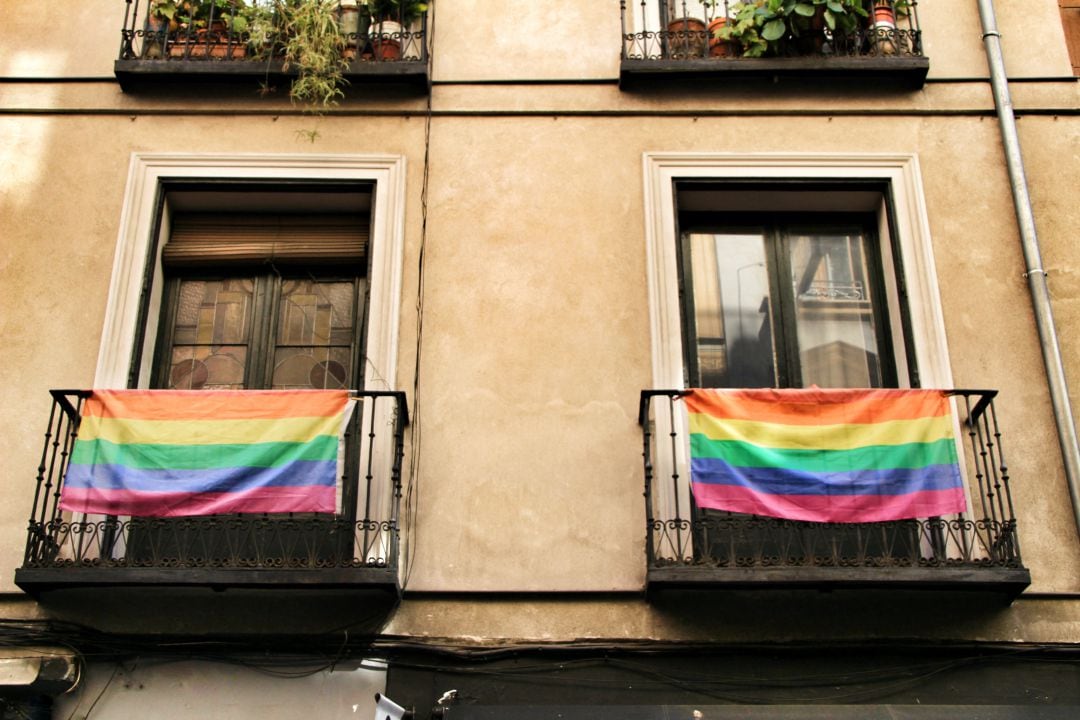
column 251, row 31
column 681, row 535
column 667, row 30
column 363, row 536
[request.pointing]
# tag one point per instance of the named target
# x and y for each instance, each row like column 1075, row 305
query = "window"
column 832, row 279
column 303, row 318
column 266, row 300
column 793, row 297
column 784, row 301
column 254, row 302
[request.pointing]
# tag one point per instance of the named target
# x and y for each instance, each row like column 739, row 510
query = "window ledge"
column 908, row 73
column 1003, row 580
column 36, row 581
column 140, row 75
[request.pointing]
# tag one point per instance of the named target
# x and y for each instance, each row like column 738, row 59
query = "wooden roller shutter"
column 232, row 238
column 1070, row 19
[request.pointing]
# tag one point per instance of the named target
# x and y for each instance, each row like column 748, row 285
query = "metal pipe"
column 1036, row 276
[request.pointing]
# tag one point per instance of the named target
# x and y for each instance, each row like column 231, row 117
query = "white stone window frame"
column 147, row 175
column 913, row 243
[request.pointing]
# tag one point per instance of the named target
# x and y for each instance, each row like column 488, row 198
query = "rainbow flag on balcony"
column 170, row 453
column 825, row 455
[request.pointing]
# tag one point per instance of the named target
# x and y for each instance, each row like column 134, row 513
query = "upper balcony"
column 354, row 550
column 855, row 41
column 270, row 44
column 688, row 546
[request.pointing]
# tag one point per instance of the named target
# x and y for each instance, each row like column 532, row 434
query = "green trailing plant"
column 313, row 45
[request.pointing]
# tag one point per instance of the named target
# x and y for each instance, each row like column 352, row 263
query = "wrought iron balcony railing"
column 233, row 39
column 358, row 548
column 877, row 39
column 687, row 546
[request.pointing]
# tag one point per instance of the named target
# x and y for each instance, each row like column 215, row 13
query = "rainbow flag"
column 825, row 455
column 171, row 453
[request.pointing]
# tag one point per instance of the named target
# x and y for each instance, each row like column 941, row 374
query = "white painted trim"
column 147, row 171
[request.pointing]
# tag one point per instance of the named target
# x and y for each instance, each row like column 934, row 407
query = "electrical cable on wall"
column 412, row 493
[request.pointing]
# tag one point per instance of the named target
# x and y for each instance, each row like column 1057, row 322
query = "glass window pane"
column 312, row 367
column 835, row 319
column 211, row 334
column 316, row 329
column 314, row 313
column 219, row 367
column 732, row 324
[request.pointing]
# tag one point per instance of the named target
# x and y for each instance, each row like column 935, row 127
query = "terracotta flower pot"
column 883, row 29
column 212, row 42
column 686, row 39
column 717, row 46
column 386, row 39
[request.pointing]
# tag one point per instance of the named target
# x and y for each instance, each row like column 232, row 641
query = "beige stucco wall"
column 536, row 337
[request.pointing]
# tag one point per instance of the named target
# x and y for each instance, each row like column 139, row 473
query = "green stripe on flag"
column 201, row 457
column 871, row 457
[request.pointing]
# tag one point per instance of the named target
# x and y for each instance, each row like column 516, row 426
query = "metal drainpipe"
column 1036, row 276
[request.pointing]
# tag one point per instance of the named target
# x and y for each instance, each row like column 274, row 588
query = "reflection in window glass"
column 732, row 323
column 834, row 319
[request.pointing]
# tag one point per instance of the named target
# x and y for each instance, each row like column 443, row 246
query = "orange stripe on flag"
column 815, row 406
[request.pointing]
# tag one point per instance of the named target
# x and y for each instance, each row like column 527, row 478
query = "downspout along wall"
column 1034, row 272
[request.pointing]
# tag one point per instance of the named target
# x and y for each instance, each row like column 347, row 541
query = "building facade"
column 516, row 237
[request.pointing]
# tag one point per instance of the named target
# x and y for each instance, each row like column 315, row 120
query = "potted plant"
column 786, row 27
column 716, row 14
column 391, row 20
column 885, row 37
column 204, row 28
column 354, row 20
column 686, row 38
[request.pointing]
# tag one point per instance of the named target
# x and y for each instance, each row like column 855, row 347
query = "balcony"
column 688, row 547
column 356, row 550
column 870, row 43
column 166, row 42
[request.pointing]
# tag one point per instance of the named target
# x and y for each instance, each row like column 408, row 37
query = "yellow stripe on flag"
column 207, row 432
column 823, row 437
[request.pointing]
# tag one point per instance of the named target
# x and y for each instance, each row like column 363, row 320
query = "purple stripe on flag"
column 831, row 508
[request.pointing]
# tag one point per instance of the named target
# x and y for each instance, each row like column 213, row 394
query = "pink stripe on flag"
column 832, row 508
column 273, row 499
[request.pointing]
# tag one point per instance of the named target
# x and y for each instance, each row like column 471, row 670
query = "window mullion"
column 263, row 330
column 782, row 309
column 162, row 364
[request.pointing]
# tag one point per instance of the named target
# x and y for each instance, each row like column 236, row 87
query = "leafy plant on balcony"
column 198, row 14
column 776, row 27
column 312, row 44
column 402, row 11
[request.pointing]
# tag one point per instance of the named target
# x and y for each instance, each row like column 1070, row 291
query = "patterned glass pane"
column 211, row 334
column 315, row 332
column 312, row 367
column 219, row 367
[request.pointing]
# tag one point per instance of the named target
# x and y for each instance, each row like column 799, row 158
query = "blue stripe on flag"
column 777, row 481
